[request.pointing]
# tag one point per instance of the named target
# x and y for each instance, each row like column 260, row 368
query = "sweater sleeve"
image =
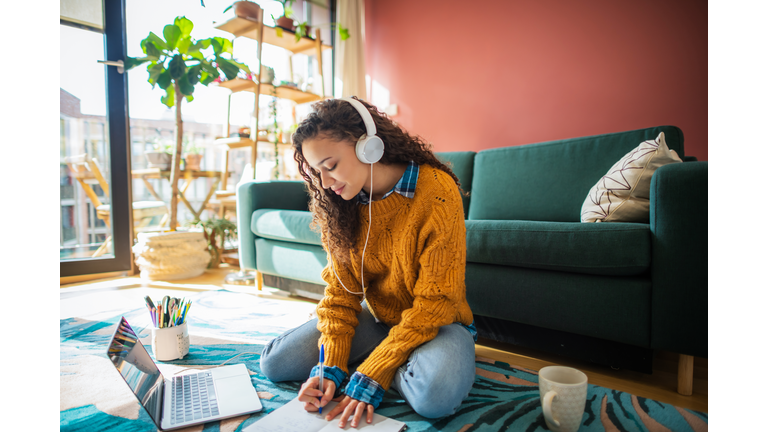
column 337, row 314
column 437, row 291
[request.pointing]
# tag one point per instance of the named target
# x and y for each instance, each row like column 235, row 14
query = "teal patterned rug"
column 93, row 396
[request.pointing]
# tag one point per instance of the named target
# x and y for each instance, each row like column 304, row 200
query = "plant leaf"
column 184, row 25
column 189, row 98
column 206, row 78
column 185, row 86
column 171, row 32
column 344, row 33
column 164, row 79
column 221, row 45
column 193, row 74
column 216, row 46
column 241, row 66
column 177, row 67
column 184, row 44
column 230, row 70
column 152, row 51
column 170, row 97
column 279, row 32
column 132, row 62
column 208, row 67
column 157, row 40
column 155, row 70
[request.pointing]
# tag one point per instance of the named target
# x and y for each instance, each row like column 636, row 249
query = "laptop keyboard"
column 193, row 398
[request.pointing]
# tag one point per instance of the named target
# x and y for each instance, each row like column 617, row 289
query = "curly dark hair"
column 334, row 218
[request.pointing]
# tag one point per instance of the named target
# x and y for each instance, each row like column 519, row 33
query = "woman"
column 394, row 311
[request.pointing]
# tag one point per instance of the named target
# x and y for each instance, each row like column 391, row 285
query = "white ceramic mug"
column 170, row 343
column 563, row 392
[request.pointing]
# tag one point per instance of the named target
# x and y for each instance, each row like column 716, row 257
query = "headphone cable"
column 362, row 260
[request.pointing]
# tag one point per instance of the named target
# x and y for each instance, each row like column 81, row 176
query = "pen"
column 322, row 373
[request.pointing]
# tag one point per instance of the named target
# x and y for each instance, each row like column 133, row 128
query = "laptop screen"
column 137, row 368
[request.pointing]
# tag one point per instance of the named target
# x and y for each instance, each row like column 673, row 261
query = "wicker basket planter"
column 171, row 255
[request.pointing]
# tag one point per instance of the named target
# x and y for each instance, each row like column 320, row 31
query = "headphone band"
column 370, row 126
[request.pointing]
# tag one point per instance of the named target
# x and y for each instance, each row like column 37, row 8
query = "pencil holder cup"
column 170, row 343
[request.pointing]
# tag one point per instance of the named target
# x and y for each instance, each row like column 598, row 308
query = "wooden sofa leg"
column 685, row 375
column 259, row 280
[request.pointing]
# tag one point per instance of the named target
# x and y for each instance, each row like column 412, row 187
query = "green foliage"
column 274, row 130
column 301, row 31
column 178, row 60
column 160, row 145
column 216, row 231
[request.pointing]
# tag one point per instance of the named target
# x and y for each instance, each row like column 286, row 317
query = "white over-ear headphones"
column 369, row 147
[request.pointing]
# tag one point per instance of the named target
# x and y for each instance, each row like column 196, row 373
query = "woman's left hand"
column 351, row 407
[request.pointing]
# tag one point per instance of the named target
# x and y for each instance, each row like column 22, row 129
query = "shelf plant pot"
column 247, row 9
column 285, row 23
column 156, row 159
column 192, row 161
column 171, row 255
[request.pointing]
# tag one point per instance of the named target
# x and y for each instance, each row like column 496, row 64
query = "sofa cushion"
column 623, row 194
column 616, row 308
column 285, row 225
column 291, row 260
column 598, row 249
column 548, row 181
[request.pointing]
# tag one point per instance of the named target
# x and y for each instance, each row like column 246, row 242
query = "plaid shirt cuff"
column 364, row 389
column 334, row 374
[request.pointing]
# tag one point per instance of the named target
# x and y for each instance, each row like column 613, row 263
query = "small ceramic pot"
column 285, row 23
column 192, row 161
column 246, row 9
column 160, row 160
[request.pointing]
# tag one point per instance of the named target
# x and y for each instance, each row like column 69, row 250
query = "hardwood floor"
column 90, row 297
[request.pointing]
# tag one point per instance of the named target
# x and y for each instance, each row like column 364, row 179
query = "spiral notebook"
column 292, row 417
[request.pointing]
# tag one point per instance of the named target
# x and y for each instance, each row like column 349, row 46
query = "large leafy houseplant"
column 177, row 63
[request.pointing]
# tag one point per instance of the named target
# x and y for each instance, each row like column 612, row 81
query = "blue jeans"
column 435, row 380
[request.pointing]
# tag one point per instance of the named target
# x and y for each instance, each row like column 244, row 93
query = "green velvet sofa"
column 609, row 293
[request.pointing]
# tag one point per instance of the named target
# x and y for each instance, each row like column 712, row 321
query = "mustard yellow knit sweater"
column 414, row 276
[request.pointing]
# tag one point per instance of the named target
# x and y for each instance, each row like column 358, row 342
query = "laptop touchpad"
column 237, row 395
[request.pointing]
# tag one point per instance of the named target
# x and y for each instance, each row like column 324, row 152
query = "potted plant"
column 216, row 232
column 250, row 10
column 304, row 29
column 285, row 21
column 193, row 155
column 160, row 156
column 177, row 63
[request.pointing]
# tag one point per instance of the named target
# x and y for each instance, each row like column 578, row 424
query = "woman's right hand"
column 311, row 395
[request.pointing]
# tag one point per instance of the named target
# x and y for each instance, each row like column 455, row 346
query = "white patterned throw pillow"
column 623, row 194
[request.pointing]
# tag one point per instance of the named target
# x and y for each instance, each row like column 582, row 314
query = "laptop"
column 184, row 400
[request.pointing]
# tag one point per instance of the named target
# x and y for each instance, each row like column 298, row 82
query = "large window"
column 94, row 217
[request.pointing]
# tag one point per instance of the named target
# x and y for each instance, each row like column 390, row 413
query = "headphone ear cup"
column 369, row 149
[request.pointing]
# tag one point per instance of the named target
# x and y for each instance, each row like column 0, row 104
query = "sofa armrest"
column 679, row 258
column 251, row 196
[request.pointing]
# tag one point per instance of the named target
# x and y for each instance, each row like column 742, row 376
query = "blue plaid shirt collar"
column 406, row 186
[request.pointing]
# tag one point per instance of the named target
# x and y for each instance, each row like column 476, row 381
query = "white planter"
column 171, row 255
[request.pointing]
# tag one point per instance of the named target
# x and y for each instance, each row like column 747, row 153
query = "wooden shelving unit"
column 286, row 39
column 283, row 92
column 243, row 27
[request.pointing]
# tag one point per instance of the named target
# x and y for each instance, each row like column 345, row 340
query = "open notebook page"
column 292, row 417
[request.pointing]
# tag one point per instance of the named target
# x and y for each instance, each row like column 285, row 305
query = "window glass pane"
column 84, row 169
column 85, row 12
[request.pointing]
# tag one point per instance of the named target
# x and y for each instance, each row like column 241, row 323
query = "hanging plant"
column 275, row 130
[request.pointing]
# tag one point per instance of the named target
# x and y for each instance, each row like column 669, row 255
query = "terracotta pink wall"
column 472, row 75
